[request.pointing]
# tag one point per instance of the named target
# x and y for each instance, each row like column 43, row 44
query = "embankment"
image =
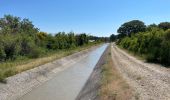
column 92, row 86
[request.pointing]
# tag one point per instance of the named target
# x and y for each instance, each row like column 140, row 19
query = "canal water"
column 67, row 84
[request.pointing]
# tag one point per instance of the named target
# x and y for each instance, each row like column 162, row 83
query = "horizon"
column 98, row 18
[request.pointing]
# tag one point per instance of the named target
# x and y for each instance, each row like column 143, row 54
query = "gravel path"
column 150, row 81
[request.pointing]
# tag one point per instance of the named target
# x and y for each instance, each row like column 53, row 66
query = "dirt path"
column 150, row 81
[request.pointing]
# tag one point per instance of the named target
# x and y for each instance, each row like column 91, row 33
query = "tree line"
column 20, row 38
column 150, row 41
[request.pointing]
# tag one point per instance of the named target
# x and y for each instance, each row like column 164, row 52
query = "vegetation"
column 112, row 38
column 164, row 25
column 133, row 26
column 21, row 41
column 153, row 44
column 113, row 86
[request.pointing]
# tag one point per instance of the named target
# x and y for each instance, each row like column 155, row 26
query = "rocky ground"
column 150, row 81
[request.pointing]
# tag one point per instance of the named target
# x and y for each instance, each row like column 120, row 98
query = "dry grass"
column 40, row 61
column 113, row 86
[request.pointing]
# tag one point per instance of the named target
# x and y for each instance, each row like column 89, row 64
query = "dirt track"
column 150, row 81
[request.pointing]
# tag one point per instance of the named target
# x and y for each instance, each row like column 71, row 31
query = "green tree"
column 82, row 39
column 165, row 48
column 164, row 25
column 9, row 24
column 20, row 38
column 151, row 26
column 112, row 37
column 133, row 26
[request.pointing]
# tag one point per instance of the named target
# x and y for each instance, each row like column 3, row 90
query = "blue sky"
column 97, row 17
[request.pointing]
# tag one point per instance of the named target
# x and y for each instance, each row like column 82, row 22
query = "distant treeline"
column 19, row 37
column 151, row 42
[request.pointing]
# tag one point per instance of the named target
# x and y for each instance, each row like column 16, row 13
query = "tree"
column 20, row 38
column 112, row 38
column 151, row 26
column 164, row 25
column 28, row 28
column 82, row 39
column 71, row 39
column 42, row 35
column 12, row 25
column 133, row 26
column 9, row 24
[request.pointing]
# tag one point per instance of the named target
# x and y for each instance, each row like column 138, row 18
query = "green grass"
column 9, row 68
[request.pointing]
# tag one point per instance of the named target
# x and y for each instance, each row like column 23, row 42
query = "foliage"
column 21, row 40
column 112, row 37
column 149, row 27
column 165, row 48
column 153, row 44
column 164, row 25
column 82, row 39
column 133, row 26
column 19, row 37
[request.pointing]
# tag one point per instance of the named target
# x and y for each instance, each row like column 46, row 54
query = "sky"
column 95, row 17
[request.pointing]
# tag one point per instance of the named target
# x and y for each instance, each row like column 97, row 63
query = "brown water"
column 67, row 84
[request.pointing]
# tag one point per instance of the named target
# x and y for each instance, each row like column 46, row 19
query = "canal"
column 67, row 84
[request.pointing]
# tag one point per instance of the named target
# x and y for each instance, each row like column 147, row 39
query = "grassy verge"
column 10, row 68
column 113, row 86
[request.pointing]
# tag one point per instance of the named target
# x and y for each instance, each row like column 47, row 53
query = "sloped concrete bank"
column 91, row 88
column 24, row 82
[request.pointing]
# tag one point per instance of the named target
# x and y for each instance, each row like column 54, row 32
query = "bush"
column 27, row 44
column 9, row 46
column 35, row 52
column 2, row 53
column 19, row 37
column 165, row 48
column 154, row 44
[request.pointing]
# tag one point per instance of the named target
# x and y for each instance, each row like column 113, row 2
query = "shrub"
column 9, row 46
column 19, row 37
column 165, row 48
column 154, row 44
column 26, row 44
column 2, row 53
column 35, row 52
